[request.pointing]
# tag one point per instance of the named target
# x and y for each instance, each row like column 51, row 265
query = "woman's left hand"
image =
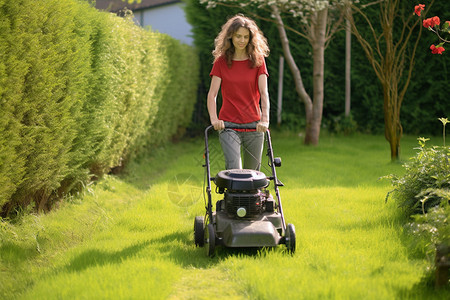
column 262, row 126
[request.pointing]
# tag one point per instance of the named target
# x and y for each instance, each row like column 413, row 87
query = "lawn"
column 131, row 236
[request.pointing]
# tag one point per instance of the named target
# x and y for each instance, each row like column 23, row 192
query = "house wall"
column 169, row 19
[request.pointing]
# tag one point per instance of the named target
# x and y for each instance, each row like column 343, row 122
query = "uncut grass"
column 132, row 236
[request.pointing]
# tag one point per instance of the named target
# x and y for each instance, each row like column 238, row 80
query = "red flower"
column 436, row 50
column 418, row 9
column 431, row 22
column 436, row 21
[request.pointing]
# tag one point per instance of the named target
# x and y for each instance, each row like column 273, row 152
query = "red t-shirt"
column 240, row 91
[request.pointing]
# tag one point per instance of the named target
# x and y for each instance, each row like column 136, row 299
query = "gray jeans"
column 252, row 147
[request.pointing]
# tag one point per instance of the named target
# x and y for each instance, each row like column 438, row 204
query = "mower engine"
column 245, row 193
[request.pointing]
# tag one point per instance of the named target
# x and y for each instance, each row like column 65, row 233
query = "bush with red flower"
column 434, row 24
column 436, row 50
column 418, row 9
column 431, row 22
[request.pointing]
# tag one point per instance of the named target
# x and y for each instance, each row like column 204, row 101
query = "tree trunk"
column 390, row 81
column 393, row 135
column 313, row 109
column 299, row 87
column 393, row 130
column 348, row 60
column 318, row 29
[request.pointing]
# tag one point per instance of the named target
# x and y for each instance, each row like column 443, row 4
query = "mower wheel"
column 199, row 231
column 210, row 240
column 290, row 238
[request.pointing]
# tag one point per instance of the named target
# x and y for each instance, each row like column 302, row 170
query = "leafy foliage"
column 343, row 125
column 426, row 182
column 424, row 99
column 433, row 228
column 79, row 93
column 424, row 191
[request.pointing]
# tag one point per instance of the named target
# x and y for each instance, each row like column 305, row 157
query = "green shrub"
column 174, row 113
column 428, row 232
column 12, row 167
column 433, row 228
column 427, row 175
column 424, row 193
column 38, row 57
column 80, row 74
column 80, row 92
column 342, row 124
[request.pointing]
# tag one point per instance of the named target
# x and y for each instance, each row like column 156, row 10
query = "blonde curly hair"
column 257, row 47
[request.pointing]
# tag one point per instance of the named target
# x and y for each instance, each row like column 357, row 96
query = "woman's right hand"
column 218, row 125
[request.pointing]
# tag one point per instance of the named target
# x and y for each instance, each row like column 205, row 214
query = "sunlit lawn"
column 130, row 237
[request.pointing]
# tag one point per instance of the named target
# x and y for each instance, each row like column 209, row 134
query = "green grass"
column 131, row 237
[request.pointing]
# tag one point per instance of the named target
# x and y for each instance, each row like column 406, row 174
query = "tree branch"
column 256, row 16
column 365, row 44
column 290, row 59
column 411, row 62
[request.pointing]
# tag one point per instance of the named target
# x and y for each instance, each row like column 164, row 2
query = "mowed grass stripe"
column 131, row 239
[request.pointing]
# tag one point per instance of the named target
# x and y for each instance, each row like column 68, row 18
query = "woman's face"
column 241, row 38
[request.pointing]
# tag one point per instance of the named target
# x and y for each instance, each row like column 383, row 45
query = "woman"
column 239, row 70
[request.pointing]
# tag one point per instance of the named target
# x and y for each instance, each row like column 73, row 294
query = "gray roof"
column 116, row 5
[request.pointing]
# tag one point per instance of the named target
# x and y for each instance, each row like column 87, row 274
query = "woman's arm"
column 211, row 103
column 263, row 125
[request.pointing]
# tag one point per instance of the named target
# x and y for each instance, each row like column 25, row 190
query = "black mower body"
column 248, row 215
column 264, row 230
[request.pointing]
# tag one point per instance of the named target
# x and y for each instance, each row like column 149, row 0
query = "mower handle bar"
column 230, row 125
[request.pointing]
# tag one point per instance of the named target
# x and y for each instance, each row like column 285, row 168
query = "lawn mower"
column 248, row 215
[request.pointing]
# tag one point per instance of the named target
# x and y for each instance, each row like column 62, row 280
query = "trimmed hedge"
column 82, row 92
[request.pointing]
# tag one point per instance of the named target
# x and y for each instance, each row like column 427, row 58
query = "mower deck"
column 261, row 231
